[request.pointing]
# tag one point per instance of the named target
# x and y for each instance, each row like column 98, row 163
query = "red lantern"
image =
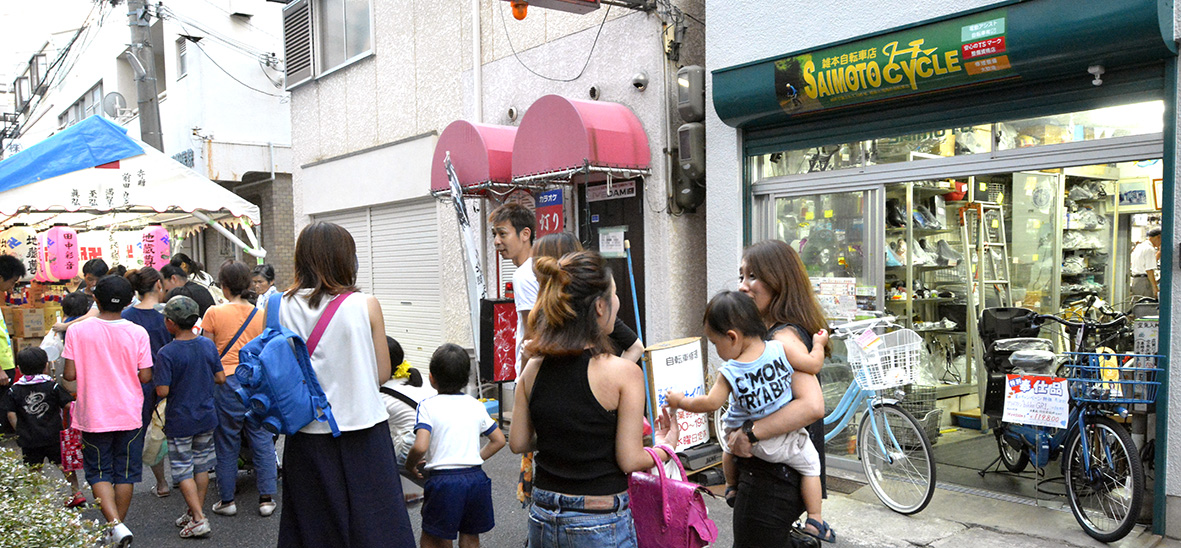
column 156, row 250
column 61, row 248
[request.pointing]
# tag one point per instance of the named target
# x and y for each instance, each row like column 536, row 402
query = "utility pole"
column 143, row 62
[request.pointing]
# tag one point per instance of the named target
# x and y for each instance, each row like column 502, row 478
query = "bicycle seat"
column 1032, row 362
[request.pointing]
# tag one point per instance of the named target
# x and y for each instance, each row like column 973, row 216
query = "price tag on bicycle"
column 869, row 340
column 1036, row 401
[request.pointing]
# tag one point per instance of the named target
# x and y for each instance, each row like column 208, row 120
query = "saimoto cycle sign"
column 962, row 51
column 1036, row 401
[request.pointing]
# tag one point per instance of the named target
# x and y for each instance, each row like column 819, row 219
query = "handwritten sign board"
column 550, row 216
column 679, row 365
column 1036, row 401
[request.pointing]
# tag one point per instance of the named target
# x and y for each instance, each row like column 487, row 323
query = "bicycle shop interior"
column 898, row 231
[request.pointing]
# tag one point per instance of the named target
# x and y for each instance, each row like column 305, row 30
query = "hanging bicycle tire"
column 903, row 477
column 1106, row 501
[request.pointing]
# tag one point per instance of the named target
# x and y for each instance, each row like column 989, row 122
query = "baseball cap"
column 181, row 308
column 112, row 293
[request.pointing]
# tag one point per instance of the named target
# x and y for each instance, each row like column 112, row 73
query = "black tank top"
column 575, row 435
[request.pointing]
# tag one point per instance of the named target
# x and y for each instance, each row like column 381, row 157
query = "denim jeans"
column 568, row 527
column 227, row 437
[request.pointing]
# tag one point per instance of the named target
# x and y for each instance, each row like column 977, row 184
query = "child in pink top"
column 110, row 357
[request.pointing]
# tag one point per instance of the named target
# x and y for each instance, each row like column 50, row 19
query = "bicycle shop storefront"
column 1000, row 157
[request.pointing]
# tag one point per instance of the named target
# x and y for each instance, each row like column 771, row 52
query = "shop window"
column 1103, row 123
column 939, row 143
column 809, row 160
column 343, row 33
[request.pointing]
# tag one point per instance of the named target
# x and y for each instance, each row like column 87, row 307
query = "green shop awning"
column 1014, row 45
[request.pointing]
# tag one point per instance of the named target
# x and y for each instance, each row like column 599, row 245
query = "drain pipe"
column 477, row 65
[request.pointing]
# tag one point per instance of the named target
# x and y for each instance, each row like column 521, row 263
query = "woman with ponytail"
column 580, row 408
column 149, row 288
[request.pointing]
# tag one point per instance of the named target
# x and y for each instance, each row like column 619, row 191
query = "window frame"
column 317, row 70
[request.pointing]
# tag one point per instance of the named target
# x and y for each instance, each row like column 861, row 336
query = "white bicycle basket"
column 885, row 361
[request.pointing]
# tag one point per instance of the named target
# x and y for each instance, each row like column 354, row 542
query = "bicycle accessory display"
column 669, row 513
column 279, row 386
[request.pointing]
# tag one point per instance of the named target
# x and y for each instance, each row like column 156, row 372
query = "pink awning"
column 559, row 135
column 481, row 154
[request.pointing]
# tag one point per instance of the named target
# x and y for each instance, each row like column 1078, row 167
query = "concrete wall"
column 419, row 79
column 1173, row 446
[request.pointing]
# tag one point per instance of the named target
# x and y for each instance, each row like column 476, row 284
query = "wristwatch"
column 748, row 428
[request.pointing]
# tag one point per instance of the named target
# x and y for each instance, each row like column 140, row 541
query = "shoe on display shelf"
column 895, row 216
column 892, row 259
column 948, row 254
column 931, row 221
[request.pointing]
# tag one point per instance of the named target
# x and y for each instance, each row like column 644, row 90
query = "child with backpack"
column 187, row 371
column 458, row 493
column 35, row 405
column 756, row 379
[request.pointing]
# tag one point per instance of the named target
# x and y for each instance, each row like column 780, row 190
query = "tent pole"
column 257, row 252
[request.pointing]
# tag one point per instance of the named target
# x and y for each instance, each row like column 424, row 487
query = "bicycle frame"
column 854, row 399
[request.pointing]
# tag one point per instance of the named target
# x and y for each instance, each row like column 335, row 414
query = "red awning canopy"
column 560, row 137
column 481, row 154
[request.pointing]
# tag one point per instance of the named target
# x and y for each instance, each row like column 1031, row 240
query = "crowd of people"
column 149, row 376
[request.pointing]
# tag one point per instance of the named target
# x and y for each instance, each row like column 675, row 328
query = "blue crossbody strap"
column 273, row 310
column 323, row 412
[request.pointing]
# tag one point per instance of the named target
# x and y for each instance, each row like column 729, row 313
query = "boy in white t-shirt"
column 458, row 495
column 513, row 226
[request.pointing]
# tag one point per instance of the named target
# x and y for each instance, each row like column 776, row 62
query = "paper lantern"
column 20, row 241
column 43, row 273
column 156, row 250
column 61, row 252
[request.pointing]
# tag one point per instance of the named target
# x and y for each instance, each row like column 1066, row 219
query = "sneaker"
column 184, row 519
column 225, row 508
column 119, row 536
column 891, row 258
column 78, row 500
column 266, row 508
column 196, row 528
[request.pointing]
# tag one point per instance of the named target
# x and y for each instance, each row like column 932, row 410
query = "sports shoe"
column 225, row 508
column 196, row 528
column 184, row 519
column 891, row 258
column 948, row 254
column 119, row 536
column 266, row 508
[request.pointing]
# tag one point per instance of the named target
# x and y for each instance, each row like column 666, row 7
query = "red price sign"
column 550, row 217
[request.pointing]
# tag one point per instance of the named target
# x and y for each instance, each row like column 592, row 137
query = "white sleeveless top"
column 344, row 360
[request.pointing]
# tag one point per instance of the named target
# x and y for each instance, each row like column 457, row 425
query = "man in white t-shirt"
column 512, row 234
column 1143, row 267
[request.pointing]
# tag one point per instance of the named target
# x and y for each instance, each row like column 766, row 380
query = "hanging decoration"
column 43, row 274
column 61, row 252
column 20, row 241
column 155, row 246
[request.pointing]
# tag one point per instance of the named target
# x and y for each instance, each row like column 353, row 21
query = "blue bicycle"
column 894, row 450
column 1102, row 469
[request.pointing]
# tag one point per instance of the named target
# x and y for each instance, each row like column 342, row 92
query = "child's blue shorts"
column 456, row 501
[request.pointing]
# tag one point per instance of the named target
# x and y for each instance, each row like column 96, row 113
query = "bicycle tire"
column 1107, row 506
column 720, row 427
column 906, row 484
column 1015, row 459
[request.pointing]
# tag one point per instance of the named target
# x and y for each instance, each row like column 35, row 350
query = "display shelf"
column 922, row 231
column 917, row 268
column 918, row 301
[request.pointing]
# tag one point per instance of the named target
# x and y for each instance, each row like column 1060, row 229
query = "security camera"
column 640, row 81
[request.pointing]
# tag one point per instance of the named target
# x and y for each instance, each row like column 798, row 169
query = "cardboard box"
column 51, row 313
column 27, row 322
column 1047, row 134
column 23, row 343
column 7, row 317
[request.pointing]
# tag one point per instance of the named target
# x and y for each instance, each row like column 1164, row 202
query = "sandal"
column 161, row 494
column 731, row 495
column 823, row 531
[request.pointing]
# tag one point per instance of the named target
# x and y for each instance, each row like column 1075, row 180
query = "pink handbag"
column 669, row 513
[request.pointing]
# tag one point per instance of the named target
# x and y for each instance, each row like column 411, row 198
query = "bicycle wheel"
column 1105, row 501
column 903, row 477
column 1015, row 459
column 719, row 427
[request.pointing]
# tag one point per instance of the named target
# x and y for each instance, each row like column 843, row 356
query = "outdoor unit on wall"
column 297, row 42
column 521, row 7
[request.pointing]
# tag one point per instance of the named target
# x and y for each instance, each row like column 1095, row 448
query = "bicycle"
column 892, row 445
column 1102, row 469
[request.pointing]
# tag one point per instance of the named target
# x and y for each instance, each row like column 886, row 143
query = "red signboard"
column 990, row 46
column 504, row 342
column 550, row 217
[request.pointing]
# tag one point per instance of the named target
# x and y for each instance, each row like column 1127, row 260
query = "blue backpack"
column 279, row 386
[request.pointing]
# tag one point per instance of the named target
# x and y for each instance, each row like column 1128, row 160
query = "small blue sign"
column 594, row 218
column 550, row 198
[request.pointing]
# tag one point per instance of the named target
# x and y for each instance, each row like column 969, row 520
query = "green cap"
column 181, row 308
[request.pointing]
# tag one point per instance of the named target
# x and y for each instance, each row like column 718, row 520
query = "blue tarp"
column 92, row 142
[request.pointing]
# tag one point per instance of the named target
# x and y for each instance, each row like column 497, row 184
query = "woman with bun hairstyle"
column 148, row 288
column 221, row 323
column 581, row 408
column 768, row 502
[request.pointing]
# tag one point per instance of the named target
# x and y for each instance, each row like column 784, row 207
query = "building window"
column 89, row 104
column 343, row 32
column 182, row 67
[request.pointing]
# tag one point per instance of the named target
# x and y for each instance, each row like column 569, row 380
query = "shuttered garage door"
column 398, row 253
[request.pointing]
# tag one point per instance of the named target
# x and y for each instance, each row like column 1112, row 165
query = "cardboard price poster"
column 679, row 365
column 1036, row 401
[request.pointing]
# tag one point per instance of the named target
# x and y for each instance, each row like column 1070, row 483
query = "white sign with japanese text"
column 679, row 365
column 1036, row 401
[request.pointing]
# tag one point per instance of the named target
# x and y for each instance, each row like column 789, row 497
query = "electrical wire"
column 589, row 54
column 165, row 12
column 232, row 77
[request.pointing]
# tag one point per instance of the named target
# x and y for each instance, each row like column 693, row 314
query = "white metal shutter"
column 406, row 275
column 357, row 223
column 298, row 42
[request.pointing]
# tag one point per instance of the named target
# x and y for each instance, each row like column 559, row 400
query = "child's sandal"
column 731, row 495
column 823, row 531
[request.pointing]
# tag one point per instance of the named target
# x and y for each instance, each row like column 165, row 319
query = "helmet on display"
column 961, row 190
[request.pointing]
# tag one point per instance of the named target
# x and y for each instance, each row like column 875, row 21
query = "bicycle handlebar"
column 1120, row 318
